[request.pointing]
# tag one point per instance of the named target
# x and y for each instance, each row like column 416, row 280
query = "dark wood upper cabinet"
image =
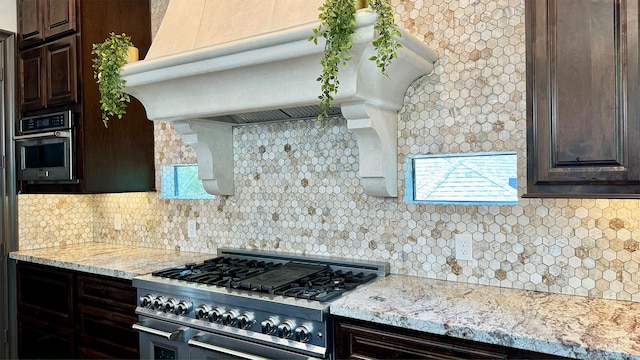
column 583, row 130
column 32, row 79
column 56, row 74
column 48, row 75
column 29, row 22
column 61, row 72
column 59, row 17
column 40, row 20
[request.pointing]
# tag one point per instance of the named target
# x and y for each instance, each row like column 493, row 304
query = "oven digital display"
column 42, row 123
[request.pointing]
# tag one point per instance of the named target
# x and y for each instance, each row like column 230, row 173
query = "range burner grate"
column 294, row 279
column 220, row 271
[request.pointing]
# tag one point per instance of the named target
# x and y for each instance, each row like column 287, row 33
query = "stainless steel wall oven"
column 45, row 146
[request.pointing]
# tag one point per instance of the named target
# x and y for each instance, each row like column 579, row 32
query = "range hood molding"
column 200, row 90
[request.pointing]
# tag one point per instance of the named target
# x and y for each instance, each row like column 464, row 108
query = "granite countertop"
column 118, row 261
column 571, row 326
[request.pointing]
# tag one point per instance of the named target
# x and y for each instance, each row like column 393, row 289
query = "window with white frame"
column 474, row 178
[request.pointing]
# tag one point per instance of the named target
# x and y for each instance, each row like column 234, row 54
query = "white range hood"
column 205, row 82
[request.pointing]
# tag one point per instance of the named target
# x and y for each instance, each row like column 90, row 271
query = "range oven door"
column 162, row 340
column 47, row 156
column 214, row 346
column 165, row 340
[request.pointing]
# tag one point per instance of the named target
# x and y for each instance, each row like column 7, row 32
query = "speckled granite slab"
column 571, row 326
column 108, row 259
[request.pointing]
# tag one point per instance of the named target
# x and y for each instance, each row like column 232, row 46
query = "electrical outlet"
column 464, row 248
column 117, row 222
column 191, row 228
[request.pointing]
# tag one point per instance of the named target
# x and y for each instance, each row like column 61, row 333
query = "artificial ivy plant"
column 337, row 26
column 111, row 56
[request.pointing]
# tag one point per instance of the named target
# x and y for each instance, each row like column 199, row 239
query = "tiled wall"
column 297, row 185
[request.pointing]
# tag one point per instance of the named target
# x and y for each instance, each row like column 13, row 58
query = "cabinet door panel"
column 587, row 84
column 43, row 340
column 45, row 293
column 29, row 22
column 31, row 68
column 107, row 332
column 582, row 82
column 59, row 17
column 61, row 73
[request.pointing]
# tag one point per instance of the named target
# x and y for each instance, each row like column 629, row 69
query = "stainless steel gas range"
column 245, row 304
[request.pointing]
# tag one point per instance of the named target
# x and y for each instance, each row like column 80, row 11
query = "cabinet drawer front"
column 104, row 290
column 386, row 345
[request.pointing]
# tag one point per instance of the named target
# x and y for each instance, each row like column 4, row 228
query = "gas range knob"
column 217, row 314
column 303, row 332
column 147, row 301
column 285, row 330
column 230, row 317
column 184, row 307
column 270, row 325
column 170, row 305
column 246, row 320
column 202, row 312
column 158, row 303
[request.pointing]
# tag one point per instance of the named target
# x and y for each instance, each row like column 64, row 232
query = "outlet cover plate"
column 117, row 222
column 464, row 248
column 191, row 228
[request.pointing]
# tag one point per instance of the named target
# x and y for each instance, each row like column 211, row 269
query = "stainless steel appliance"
column 245, row 304
column 45, row 145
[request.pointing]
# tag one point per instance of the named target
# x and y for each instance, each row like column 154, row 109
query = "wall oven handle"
column 169, row 335
column 225, row 351
column 60, row 134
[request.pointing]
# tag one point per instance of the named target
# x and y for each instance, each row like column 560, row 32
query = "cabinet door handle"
column 169, row 335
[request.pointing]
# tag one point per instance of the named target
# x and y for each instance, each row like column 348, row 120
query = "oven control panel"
column 53, row 121
column 231, row 317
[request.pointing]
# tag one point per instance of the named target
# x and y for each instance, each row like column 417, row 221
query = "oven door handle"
column 169, row 335
column 58, row 133
column 238, row 354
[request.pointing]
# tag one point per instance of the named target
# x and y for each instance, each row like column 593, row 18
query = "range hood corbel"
column 272, row 77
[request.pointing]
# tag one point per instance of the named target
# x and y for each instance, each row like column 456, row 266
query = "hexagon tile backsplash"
column 297, row 186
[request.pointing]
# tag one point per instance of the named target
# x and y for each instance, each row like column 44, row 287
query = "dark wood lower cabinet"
column 356, row 339
column 66, row 314
column 106, row 333
column 44, row 340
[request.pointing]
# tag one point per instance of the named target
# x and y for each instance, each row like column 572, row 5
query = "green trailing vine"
column 111, row 56
column 386, row 44
column 337, row 26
